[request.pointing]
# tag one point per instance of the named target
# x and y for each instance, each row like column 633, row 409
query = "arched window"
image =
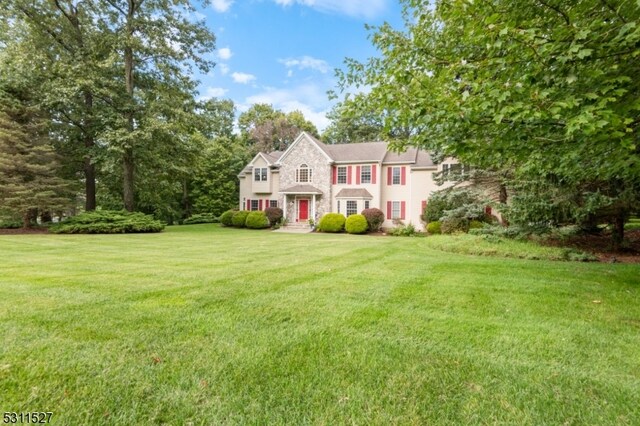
column 303, row 174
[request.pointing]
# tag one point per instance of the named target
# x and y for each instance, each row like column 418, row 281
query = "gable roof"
column 314, row 141
column 354, row 193
column 363, row 152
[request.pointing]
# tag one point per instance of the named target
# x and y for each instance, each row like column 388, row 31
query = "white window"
column 273, row 203
column 342, row 174
column 303, row 174
column 338, row 206
column 254, row 205
column 366, row 204
column 260, row 174
column 395, row 210
column 365, row 174
column 352, row 207
column 396, row 180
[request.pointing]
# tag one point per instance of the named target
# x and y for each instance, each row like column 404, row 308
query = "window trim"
column 257, row 206
column 309, row 173
column 260, row 174
column 369, row 174
column 393, row 210
column 273, row 203
column 345, row 170
column 353, row 210
column 393, row 175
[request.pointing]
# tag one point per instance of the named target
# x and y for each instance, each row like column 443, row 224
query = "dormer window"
column 303, row 174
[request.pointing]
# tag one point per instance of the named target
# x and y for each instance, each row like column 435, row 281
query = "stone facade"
column 306, row 152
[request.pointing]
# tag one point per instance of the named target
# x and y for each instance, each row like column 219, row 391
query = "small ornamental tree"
column 374, row 217
column 332, row 222
column 257, row 220
column 356, row 224
column 274, row 214
column 226, row 218
column 239, row 218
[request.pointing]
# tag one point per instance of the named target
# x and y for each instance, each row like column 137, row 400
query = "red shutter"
column 403, row 208
column 389, row 210
column 389, row 175
column 349, row 175
column 357, row 175
column 335, row 175
column 424, row 206
column 259, row 204
column 248, row 204
column 373, row 174
column 404, row 176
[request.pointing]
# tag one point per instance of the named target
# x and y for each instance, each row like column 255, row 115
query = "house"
column 311, row 178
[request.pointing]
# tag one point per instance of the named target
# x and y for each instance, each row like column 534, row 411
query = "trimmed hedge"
column 108, row 222
column 356, row 224
column 375, row 218
column 200, row 218
column 274, row 214
column 239, row 218
column 434, row 227
column 227, row 217
column 332, row 222
column 257, row 220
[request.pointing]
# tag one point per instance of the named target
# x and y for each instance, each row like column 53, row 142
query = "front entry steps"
column 295, row 228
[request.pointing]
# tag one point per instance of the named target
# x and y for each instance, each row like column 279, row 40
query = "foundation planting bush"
column 332, row 222
column 239, row 218
column 257, row 220
column 356, row 224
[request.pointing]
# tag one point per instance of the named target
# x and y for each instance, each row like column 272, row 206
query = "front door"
column 303, row 210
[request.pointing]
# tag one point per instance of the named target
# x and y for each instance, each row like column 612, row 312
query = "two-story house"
column 310, row 179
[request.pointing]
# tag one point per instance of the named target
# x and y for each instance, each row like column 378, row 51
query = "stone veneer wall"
column 307, row 152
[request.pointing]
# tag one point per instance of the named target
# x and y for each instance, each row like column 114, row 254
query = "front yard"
column 205, row 325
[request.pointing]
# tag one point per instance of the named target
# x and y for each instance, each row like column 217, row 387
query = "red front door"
column 303, row 210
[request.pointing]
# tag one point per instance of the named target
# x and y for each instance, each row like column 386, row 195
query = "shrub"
column 434, row 227
column 274, row 214
column 257, row 220
column 374, row 217
column 451, row 225
column 475, row 224
column 332, row 222
column 227, row 217
column 402, row 230
column 200, row 218
column 239, row 218
column 459, row 202
column 356, row 224
column 108, row 222
column 9, row 223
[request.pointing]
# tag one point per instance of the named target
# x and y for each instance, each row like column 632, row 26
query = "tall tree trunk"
column 617, row 234
column 128, row 158
column 89, row 167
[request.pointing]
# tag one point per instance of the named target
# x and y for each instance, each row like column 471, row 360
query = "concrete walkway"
column 293, row 230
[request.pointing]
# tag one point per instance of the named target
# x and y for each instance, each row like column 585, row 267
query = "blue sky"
column 284, row 52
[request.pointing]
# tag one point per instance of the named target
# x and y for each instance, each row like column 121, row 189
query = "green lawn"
column 204, row 325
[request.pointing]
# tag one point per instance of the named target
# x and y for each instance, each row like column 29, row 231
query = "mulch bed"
column 21, row 231
column 600, row 246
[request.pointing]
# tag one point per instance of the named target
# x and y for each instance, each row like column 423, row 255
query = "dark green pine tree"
column 28, row 164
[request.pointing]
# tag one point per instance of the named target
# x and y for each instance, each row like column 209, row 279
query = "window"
column 338, row 206
column 365, row 174
column 366, row 204
column 445, row 169
column 260, row 174
column 303, row 174
column 254, row 205
column 395, row 210
column 396, row 180
column 342, row 174
column 273, row 203
column 352, row 207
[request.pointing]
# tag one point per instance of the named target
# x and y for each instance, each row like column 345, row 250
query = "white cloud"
column 306, row 62
column 308, row 99
column 213, row 92
column 224, row 69
column 354, row 8
column 242, row 78
column 225, row 53
column 221, row 5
